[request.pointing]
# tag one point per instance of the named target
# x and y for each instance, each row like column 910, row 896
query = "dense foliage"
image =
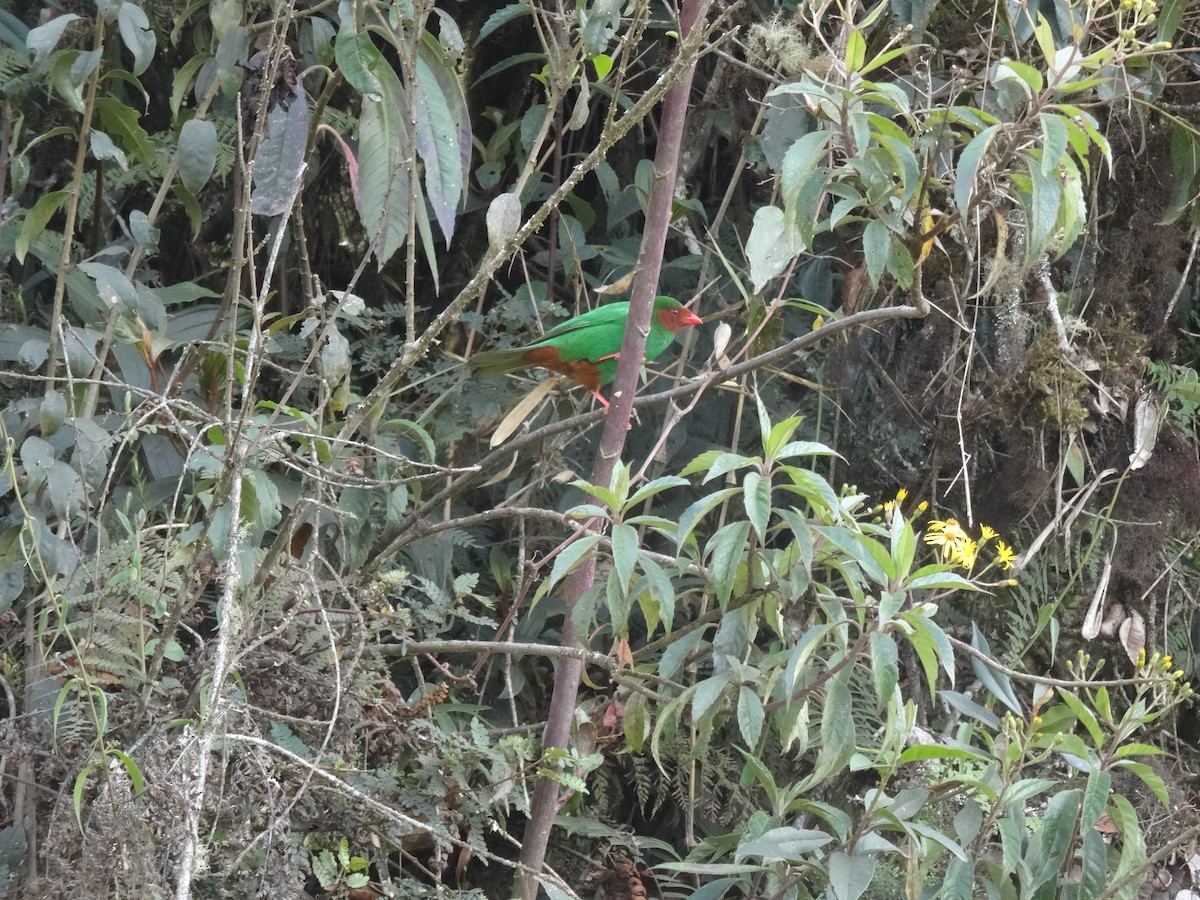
column 887, row 590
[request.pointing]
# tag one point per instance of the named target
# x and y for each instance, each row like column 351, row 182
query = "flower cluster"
column 1158, row 663
column 955, row 545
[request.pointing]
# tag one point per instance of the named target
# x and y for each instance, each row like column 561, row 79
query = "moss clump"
column 1059, row 383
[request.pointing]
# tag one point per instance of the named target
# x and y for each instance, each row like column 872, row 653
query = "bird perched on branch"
column 587, row 347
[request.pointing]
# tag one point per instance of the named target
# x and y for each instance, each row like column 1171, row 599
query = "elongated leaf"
column 569, row 558
column 750, row 716
column 1041, row 210
column 500, row 17
column 756, row 496
column 439, row 122
column 884, row 666
column 36, row 220
column 383, row 166
column 279, row 162
column 968, row 168
column 625, row 548
column 996, row 682
column 726, row 551
column 121, row 123
column 359, row 60
column 877, row 245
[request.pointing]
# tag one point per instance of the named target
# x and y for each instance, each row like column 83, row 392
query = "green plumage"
column 585, row 347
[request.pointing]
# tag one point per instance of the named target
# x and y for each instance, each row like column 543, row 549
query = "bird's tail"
column 494, row 363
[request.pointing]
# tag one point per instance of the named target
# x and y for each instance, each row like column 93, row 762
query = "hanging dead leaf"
column 621, row 285
column 1146, row 422
column 1092, row 621
column 721, row 336
column 522, row 411
column 1133, row 636
column 1112, row 620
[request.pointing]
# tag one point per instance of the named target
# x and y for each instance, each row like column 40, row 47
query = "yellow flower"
column 952, row 541
column 901, row 495
column 1005, row 555
column 1166, row 661
column 1141, row 657
column 986, row 533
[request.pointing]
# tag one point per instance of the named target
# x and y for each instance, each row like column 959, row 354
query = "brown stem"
column 658, row 221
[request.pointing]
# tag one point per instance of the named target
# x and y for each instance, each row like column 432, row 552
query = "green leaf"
column 923, row 642
column 925, row 580
column 102, row 147
column 959, row 880
column 697, row 511
column 1135, row 749
column 725, row 463
column 661, row 590
column 36, row 220
column 1133, row 846
column 884, row 666
column 1055, row 138
column 131, row 769
column 655, row 487
column 968, row 167
column 769, row 248
column 726, row 551
column 756, row 496
column 877, row 246
column 625, row 552
column 923, row 752
column 358, row 59
column 571, row 556
column 786, row 843
column 850, row 876
column 856, row 51
column 996, row 682
column 122, row 123
column 197, row 153
column 1041, row 210
column 384, row 160
column 800, row 161
column 750, row 716
column 1084, row 716
column 1055, row 838
column 43, row 39
column 1024, row 74
column 137, row 35
column 77, row 792
column 440, row 127
column 708, row 692
column 501, row 17
column 674, row 656
column 1149, row 778
column 837, row 729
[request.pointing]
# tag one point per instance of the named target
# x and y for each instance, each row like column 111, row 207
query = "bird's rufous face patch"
column 674, row 318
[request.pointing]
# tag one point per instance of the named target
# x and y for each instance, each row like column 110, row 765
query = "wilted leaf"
column 279, row 162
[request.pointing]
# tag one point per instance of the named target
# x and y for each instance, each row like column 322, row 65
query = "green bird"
column 586, row 348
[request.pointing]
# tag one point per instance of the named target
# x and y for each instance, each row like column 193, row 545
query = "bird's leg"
column 599, row 396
